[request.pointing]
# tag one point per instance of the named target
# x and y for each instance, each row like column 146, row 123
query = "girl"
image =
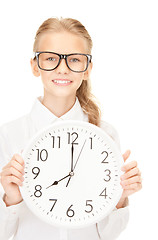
column 67, row 95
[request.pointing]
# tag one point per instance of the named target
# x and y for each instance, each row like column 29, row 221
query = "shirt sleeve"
column 111, row 131
column 8, row 215
column 9, row 218
column 111, row 227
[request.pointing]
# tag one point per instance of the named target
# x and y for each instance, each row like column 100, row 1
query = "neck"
column 57, row 105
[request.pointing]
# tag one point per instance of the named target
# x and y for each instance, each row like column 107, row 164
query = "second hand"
column 76, row 163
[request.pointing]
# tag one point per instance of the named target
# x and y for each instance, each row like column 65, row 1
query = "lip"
column 62, row 82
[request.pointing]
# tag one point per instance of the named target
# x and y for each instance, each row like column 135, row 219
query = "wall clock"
column 72, row 174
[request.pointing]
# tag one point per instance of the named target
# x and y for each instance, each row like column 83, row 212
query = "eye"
column 51, row 59
column 75, row 60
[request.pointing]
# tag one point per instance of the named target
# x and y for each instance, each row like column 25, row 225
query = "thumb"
column 126, row 155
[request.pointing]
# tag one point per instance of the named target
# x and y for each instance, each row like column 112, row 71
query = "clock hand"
column 70, row 174
column 56, row 182
column 68, row 181
column 72, row 153
column 75, row 164
column 79, row 155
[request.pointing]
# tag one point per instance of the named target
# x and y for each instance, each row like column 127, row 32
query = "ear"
column 88, row 71
column 34, row 67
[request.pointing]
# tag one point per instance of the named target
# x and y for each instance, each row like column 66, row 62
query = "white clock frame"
column 97, row 163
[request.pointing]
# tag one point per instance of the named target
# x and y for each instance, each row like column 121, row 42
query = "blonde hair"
column 84, row 94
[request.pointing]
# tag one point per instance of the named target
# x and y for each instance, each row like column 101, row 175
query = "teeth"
column 59, row 81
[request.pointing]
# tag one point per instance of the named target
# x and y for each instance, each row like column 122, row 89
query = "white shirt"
column 18, row 220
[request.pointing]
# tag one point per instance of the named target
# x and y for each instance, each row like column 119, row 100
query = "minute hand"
column 79, row 154
column 76, row 163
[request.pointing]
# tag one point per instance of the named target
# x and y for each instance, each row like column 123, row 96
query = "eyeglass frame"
column 63, row 56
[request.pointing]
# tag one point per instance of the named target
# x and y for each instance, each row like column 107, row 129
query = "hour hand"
column 72, row 169
column 56, row 182
column 72, row 154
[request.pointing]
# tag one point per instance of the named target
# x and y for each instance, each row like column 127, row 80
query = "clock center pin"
column 71, row 174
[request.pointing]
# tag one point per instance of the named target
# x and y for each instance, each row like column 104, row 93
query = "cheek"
column 78, row 81
column 78, row 77
column 45, row 76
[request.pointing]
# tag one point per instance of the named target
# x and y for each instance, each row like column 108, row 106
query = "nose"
column 62, row 68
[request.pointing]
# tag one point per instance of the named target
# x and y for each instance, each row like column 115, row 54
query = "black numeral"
column 56, row 140
column 55, row 200
column 35, row 171
column 38, row 192
column 108, row 177
column 42, row 155
column 70, row 136
column 89, row 206
column 103, row 193
column 70, row 212
column 106, row 155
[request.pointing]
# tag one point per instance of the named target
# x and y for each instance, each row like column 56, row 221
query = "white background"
column 124, row 79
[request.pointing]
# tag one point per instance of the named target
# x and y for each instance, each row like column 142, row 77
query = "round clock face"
column 72, row 174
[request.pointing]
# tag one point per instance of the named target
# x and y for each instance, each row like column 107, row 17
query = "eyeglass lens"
column 49, row 61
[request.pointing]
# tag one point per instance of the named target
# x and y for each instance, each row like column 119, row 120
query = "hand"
column 72, row 154
column 70, row 174
column 75, row 164
column 79, row 154
column 11, row 179
column 131, row 179
column 56, row 182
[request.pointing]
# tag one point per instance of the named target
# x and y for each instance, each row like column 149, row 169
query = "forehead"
column 62, row 42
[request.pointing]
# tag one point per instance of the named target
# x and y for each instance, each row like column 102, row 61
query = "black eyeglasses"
column 76, row 62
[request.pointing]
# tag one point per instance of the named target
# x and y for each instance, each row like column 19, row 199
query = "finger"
column 12, row 172
column 129, row 166
column 126, row 155
column 131, row 173
column 6, row 166
column 18, row 158
column 136, row 179
column 17, row 166
column 13, row 179
column 134, row 186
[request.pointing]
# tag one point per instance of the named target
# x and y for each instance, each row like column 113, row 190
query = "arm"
column 11, row 179
column 9, row 208
column 8, row 218
column 112, row 226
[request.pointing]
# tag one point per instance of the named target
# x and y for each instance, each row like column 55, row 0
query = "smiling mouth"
column 61, row 82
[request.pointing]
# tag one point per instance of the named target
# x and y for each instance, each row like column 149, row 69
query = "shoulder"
column 12, row 135
column 8, row 133
column 14, row 129
column 111, row 131
column 14, row 123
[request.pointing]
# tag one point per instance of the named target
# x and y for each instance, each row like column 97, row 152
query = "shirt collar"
column 42, row 117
